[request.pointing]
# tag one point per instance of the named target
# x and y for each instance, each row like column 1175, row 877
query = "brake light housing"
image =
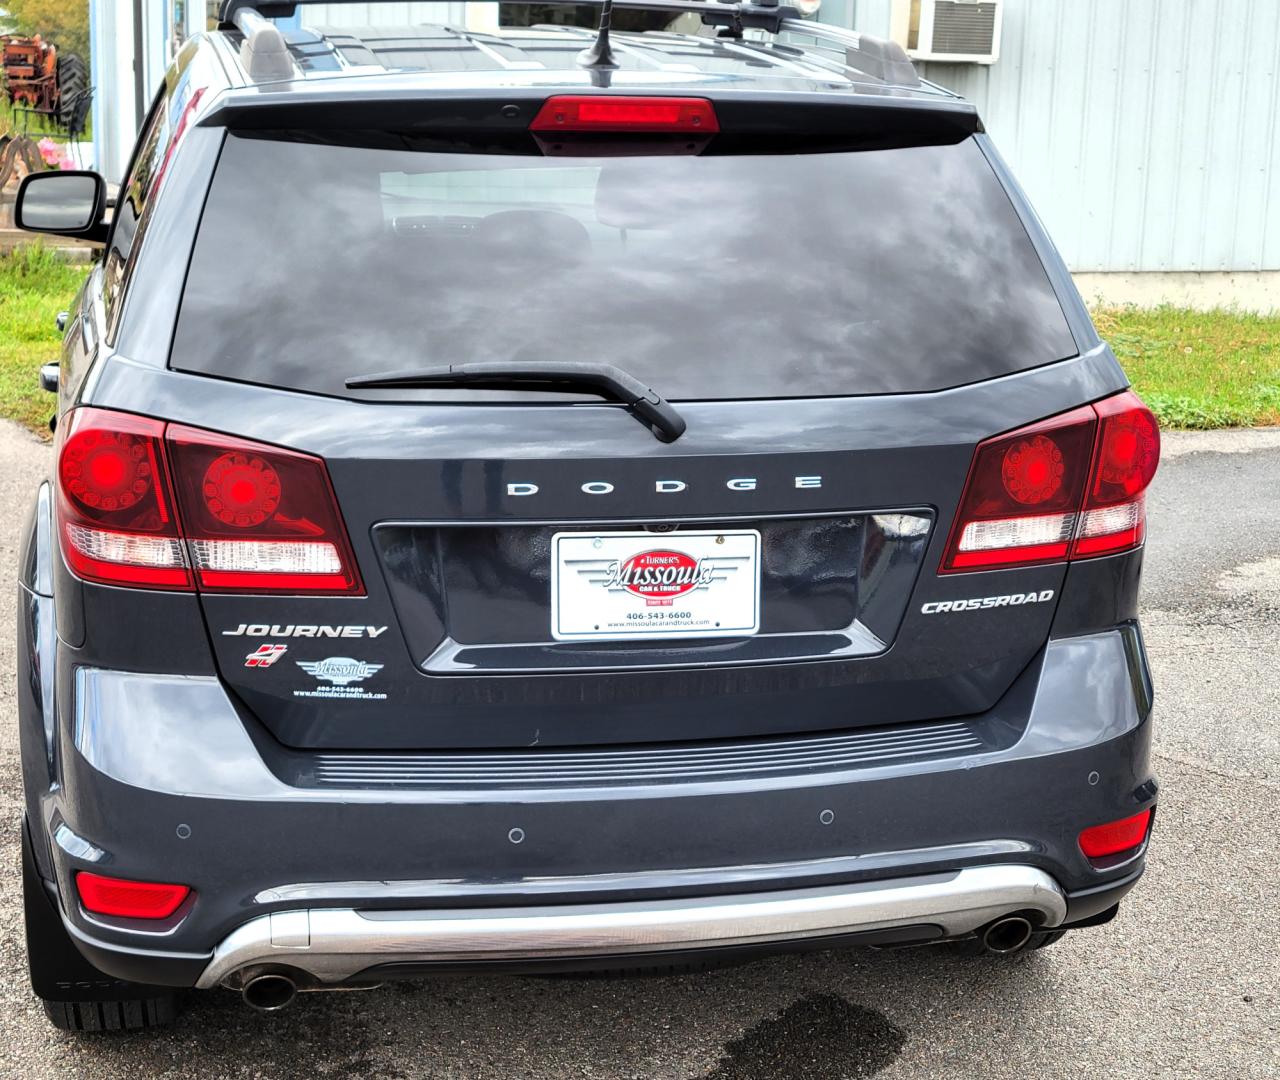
column 146, row 504
column 619, row 114
column 1114, row 518
column 259, row 518
column 116, row 518
column 1069, row 487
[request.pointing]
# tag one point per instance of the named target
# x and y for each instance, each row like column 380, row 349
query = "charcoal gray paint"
column 128, row 733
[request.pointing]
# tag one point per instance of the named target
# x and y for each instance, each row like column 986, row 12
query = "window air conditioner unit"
column 949, row 31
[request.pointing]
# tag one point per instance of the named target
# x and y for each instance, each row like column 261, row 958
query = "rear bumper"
column 337, row 944
column 164, row 780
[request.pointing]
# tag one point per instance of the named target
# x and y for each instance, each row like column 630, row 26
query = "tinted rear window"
column 711, row 277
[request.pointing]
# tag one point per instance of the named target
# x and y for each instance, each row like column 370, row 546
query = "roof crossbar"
column 881, row 59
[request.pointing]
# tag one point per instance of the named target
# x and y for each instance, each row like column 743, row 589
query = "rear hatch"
column 538, row 566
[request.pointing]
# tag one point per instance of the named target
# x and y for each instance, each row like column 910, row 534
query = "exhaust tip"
column 1008, row 935
column 269, row 993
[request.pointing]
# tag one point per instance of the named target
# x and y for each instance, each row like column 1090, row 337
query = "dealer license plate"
column 611, row 586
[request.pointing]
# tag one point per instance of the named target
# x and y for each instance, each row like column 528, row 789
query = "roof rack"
column 265, row 55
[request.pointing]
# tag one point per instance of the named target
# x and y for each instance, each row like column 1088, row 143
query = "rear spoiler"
column 749, row 120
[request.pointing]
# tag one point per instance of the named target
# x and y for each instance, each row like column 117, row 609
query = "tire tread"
column 138, row 1014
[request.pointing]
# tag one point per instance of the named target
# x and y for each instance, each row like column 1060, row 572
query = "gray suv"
column 545, row 501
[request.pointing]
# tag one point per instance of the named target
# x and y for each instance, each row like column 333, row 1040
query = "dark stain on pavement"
column 820, row 1037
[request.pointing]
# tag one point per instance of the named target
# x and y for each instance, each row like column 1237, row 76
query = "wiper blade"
column 604, row 380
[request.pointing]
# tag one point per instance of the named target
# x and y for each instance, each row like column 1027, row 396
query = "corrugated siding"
column 1147, row 133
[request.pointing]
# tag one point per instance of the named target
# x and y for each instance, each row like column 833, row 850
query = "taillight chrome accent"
column 128, row 549
column 1069, row 487
column 151, row 505
column 1022, row 538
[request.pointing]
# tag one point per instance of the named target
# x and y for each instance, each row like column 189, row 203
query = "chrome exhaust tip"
column 269, row 992
column 1008, row 935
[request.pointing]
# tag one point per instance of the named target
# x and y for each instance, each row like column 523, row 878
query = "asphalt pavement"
column 1184, row 983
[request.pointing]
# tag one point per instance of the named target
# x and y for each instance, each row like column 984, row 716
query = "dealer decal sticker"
column 341, row 673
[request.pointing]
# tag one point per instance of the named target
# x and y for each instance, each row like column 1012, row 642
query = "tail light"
column 258, row 518
column 129, row 899
column 247, row 517
column 1116, row 837
column 1114, row 516
column 115, row 508
column 616, row 113
column 1068, row 487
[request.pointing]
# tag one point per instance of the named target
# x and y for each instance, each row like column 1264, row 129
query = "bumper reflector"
column 129, row 899
column 1099, row 841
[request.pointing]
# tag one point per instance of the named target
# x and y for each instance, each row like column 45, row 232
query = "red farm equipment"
column 41, row 78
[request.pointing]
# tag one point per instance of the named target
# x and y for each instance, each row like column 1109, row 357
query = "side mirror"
column 63, row 204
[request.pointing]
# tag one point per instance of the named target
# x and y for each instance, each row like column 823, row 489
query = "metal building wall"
column 1147, row 133
column 128, row 62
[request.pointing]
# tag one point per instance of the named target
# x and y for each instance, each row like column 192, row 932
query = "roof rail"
column 878, row 57
column 881, row 59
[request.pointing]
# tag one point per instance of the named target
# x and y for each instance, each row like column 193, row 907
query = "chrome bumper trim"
column 333, row 944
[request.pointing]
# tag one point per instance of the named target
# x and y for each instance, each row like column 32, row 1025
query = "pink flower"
column 55, row 154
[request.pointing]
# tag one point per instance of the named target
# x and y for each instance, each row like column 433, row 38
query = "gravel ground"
column 1184, row 983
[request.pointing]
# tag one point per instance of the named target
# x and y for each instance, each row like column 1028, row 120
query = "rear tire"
column 137, row 1015
column 77, row 996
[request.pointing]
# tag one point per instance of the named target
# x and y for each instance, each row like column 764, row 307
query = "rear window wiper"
column 604, row 380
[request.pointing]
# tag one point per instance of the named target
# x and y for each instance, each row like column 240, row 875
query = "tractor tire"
column 73, row 90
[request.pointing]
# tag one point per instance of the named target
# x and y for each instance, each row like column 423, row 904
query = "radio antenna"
column 600, row 55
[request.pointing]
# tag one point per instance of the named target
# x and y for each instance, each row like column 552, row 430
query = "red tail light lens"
column 129, row 899
column 1068, row 487
column 1115, row 837
column 1125, row 461
column 609, row 113
column 258, row 518
column 1022, row 495
column 115, row 510
column 247, row 517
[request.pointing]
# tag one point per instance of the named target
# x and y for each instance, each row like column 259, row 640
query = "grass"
column 1199, row 369
column 35, row 284
column 1195, row 369
column 15, row 121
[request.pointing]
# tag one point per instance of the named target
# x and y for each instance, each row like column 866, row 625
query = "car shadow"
column 814, row 1015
